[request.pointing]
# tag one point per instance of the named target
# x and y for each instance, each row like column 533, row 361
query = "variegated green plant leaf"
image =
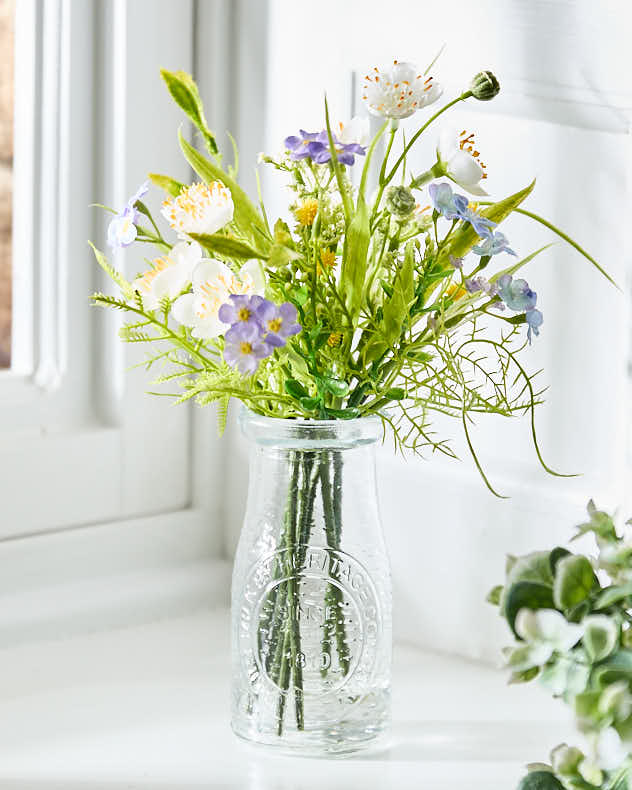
column 185, row 93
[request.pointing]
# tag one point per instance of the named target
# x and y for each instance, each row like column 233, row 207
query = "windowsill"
column 146, row 706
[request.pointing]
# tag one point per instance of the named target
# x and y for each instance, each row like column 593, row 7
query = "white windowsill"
column 146, row 706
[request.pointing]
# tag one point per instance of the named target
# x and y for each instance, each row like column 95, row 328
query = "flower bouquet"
column 361, row 314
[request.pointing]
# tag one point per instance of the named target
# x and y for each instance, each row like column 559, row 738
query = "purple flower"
column 535, row 319
column 299, row 145
column 279, row 321
column 457, row 263
column 244, row 348
column 516, row 294
column 453, row 206
column 475, row 284
column 494, row 244
column 122, row 228
column 241, row 309
column 315, row 146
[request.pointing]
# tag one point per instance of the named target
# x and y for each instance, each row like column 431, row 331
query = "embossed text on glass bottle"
column 311, row 599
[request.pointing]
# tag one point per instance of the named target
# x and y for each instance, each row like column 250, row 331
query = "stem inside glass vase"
column 311, row 473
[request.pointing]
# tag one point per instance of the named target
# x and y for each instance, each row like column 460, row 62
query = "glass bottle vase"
column 311, row 595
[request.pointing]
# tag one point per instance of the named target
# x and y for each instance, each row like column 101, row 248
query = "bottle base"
column 328, row 742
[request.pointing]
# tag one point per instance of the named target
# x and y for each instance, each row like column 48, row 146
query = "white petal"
column 610, row 750
column 357, row 130
column 448, row 143
column 475, row 189
column 208, row 328
column 255, row 270
column 464, row 169
column 182, row 310
column 169, row 283
column 210, row 269
column 217, row 217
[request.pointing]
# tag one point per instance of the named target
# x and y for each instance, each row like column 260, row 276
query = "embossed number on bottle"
column 315, row 608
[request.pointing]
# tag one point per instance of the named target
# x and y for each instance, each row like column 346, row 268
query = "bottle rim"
column 306, row 433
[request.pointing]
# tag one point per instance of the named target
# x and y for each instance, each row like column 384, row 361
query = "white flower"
column 399, row 91
column 169, row 275
column 357, row 130
column 199, row 208
column 610, row 751
column 460, row 160
column 544, row 632
column 213, row 283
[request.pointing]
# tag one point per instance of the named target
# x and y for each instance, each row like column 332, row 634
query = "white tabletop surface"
column 147, row 707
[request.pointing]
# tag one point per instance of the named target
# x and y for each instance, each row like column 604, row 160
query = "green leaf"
column 556, row 555
column 540, row 780
column 356, row 248
column 295, row 389
column 396, row 308
column 343, row 414
column 600, row 636
column 126, row 287
column 246, row 217
column 493, row 596
column 336, row 386
column 168, row 184
column 282, row 234
column 310, row 404
column 533, row 567
column 613, row 595
column 395, row 393
column 526, row 595
column 574, row 581
column 185, row 93
column 523, row 677
column 618, row 666
column 227, row 246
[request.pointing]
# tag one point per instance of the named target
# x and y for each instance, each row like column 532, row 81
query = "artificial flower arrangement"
column 370, row 301
column 571, row 615
column 382, row 304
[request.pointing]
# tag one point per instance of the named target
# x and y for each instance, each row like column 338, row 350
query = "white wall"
column 562, row 116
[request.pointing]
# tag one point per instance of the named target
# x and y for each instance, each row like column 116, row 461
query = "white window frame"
column 80, row 440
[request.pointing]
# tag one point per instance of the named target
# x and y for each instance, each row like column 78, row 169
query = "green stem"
column 333, row 528
column 419, row 131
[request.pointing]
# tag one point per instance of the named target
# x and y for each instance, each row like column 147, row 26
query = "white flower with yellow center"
column 399, row 91
column 459, row 160
column 168, row 275
column 213, row 284
column 199, row 208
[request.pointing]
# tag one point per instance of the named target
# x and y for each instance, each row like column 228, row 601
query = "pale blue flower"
column 535, row 319
column 493, row 245
column 475, row 284
column 455, row 207
column 516, row 294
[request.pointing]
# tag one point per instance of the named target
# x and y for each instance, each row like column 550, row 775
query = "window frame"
column 80, row 440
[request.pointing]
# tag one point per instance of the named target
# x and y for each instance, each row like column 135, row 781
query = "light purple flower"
column 475, row 284
column 122, row 228
column 535, row 319
column 516, row 294
column 315, row 146
column 279, row 321
column 457, row 263
column 493, row 245
column 241, row 309
column 244, row 348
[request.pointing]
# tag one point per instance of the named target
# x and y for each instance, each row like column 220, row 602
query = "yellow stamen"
column 275, row 324
column 306, row 212
column 334, row 339
column 245, row 348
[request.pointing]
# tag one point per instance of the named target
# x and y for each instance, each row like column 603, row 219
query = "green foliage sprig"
column 571, row 615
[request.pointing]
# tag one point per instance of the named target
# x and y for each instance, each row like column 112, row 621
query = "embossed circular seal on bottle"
column 325, row 601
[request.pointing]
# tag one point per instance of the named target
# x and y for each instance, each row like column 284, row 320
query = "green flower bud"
column 400, row 201
column 485, row 86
